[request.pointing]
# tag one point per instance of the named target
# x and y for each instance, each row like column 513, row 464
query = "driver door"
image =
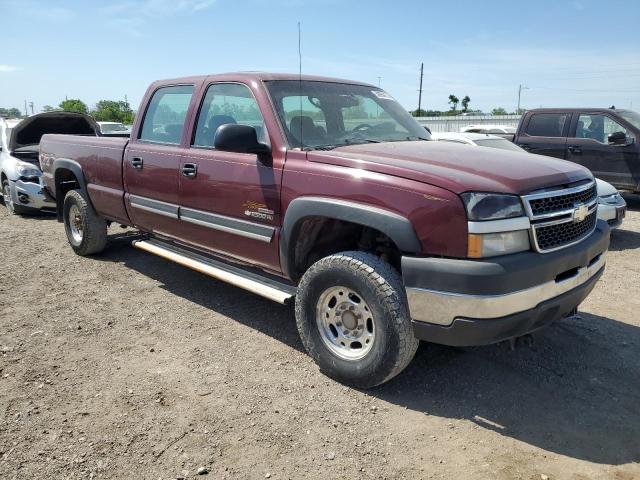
column 589, row 147
column 230, row 202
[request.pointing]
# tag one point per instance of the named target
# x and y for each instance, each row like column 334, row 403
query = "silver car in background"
column 611, row 206
column 20, row 175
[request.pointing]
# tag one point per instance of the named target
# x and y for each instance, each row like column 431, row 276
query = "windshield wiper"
column 350, row 141
column 412, row 137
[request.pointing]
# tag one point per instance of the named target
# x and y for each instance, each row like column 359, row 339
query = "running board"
column 270, row 288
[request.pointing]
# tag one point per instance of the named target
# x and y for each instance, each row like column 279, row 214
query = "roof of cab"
column 256, row 76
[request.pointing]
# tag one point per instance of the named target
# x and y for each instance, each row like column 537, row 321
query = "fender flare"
column 393, row 225
column 76, row 169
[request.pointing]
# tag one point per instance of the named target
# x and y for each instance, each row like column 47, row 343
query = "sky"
column 566, row 53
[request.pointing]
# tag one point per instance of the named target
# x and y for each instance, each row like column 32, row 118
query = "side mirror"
column 232, row 137
column 617, row 138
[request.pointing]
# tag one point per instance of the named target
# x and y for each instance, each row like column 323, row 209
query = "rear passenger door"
column 152, row 162
column 589, row 146
column 546, row 134
column 230, row 202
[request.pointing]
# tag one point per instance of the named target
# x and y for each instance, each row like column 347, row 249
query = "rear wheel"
column 86, row 230
column 353, row 319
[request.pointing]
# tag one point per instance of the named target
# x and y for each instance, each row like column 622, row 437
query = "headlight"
column 24, row 169
column 491, row 206
column 480, row 245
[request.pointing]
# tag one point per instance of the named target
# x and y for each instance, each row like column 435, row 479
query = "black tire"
column 12, row 208
column 91, row 227
column 380, row 287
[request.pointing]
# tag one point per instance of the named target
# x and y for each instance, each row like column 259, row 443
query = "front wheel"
column 352, row 316
column 7, row 199
column 86, row 230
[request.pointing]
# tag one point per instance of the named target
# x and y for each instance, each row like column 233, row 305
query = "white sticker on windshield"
column 382, row 94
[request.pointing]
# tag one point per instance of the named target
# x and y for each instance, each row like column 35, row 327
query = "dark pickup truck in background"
column 328, row 192
column 605, row 140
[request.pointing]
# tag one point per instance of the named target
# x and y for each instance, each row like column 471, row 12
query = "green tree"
column 453, row 101
column 465, row 103
column 73, row 105
column 10, row 113
column 113, row 111
column 499, row 111
column 419, row 113
column 49, row 108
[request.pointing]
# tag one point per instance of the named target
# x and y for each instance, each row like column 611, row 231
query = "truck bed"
column 100, row 159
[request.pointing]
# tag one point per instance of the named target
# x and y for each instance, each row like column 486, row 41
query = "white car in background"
column 490, row 129
column 611, row 206
column 114, row 128
column 20, row 175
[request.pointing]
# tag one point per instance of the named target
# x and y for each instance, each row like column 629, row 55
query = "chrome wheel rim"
column 6, row 197
column 75, row 223
column 345, row 322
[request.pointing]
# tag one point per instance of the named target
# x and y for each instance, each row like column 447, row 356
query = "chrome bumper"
column 443, row 308
column 613, row 214
column 31, row 195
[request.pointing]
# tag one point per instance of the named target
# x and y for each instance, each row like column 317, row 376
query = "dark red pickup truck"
column 327, row 192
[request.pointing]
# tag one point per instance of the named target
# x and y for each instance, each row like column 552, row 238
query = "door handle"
column 189, row 170
column 136, row 162
column 574, row 149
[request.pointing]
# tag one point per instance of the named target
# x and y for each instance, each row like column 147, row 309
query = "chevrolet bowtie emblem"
column 580, row 213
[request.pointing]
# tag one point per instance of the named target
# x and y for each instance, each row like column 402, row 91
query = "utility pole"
column 379, row 81
column 31, row 105
column 26, row 112
column 520, row 88
column 420, row 90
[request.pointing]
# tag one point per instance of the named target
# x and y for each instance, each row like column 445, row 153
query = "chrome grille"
column 563, row 217
column 556, row 235
column 546, row 205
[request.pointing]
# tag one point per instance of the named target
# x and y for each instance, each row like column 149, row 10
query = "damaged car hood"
column 29, row 131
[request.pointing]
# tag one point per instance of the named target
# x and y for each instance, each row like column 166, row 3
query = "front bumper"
column 612, row 213
column 478, row 302
column 31, row 195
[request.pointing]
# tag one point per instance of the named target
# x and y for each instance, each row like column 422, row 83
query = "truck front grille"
column 547, row 205
column 550, row 237
column 563, row 217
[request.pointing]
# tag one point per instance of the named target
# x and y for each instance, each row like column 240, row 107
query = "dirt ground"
column 125, row 366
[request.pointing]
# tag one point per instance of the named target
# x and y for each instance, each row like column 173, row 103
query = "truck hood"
column 458, row 168
column 29, row 131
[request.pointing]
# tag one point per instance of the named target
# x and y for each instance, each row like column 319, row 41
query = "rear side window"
column 547, row 124
column 166, row 114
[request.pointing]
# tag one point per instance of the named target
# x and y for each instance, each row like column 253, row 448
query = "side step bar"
column 270, row 288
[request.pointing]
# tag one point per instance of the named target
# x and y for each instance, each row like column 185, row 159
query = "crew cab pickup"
column 605, row 140
column 327, row 192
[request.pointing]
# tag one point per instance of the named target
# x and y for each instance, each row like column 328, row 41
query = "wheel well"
column 65, row 180
column 318, row 237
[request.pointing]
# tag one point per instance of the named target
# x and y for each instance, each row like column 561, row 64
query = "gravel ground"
column 127, row 366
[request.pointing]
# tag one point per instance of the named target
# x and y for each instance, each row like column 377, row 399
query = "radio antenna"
column 300, row 81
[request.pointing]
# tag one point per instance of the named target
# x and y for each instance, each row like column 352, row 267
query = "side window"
column 598, row 127
column 547, row 124
column 305, row 119
column 227, row 103
column 164, row 120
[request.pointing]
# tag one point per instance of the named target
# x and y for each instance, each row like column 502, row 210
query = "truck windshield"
column 630, row 116
column 317, row 115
